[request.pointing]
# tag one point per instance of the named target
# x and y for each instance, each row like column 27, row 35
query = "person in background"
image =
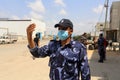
column 37, row 39
column 83, row 39
column 68, row 59
column 37, row 42
column 101, row 48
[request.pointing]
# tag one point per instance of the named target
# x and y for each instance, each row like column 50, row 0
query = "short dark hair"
column 101, row 35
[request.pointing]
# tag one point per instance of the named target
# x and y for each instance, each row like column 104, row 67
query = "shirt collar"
column 69, row 45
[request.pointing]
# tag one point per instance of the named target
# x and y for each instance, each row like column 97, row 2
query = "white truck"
column 8, row 39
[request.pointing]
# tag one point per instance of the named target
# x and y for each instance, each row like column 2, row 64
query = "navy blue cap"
column 64, row 23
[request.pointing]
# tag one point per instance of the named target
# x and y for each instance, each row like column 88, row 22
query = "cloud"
column 60, row 2
column 35, row 15
column 84, row 26
column 37, row 6
column 63, row 12
column 7, row 15
column 98, row 9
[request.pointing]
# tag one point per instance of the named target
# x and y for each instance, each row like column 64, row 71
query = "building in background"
column 99, row 28
column 114, row 33
column 18, row 27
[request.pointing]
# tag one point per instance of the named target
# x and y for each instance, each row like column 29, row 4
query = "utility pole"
column 119, row 34
column 106, row 6
column 95, row 31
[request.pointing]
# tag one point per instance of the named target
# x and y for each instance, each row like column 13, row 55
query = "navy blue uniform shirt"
column 101, row 43
column 66, row 63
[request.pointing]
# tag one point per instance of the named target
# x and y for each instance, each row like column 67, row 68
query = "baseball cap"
column 64, row 23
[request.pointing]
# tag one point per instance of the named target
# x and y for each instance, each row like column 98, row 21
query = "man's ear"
column 71, row 30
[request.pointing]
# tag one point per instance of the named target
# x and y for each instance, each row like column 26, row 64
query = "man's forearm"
column 29, row 31
column 30, row 41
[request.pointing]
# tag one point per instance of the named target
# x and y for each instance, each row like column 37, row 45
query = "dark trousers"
column 101, row 54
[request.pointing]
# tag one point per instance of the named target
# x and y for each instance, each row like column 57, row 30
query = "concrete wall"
column 115, row 17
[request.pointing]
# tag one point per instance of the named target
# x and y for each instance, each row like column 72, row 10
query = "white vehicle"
column 7, row 39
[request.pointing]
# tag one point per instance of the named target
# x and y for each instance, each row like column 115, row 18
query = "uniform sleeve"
column 40, row 52
column 84, row 66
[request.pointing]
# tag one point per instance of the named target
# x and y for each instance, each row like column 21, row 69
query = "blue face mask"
column 62, row 34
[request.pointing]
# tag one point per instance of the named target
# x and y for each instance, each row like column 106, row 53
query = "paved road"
column 109, row 70
column 16, row 63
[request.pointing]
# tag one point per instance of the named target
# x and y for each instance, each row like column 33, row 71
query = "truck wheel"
column 3, row 42
column 12, row 41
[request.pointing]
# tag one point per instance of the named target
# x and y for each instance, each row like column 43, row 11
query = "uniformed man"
column 37, row 39
column 101, row 48
column 68, row 58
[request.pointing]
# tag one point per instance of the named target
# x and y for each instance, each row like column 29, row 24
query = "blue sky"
column 83, row 13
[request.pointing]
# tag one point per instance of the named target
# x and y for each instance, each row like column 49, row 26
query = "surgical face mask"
column 62, row 34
